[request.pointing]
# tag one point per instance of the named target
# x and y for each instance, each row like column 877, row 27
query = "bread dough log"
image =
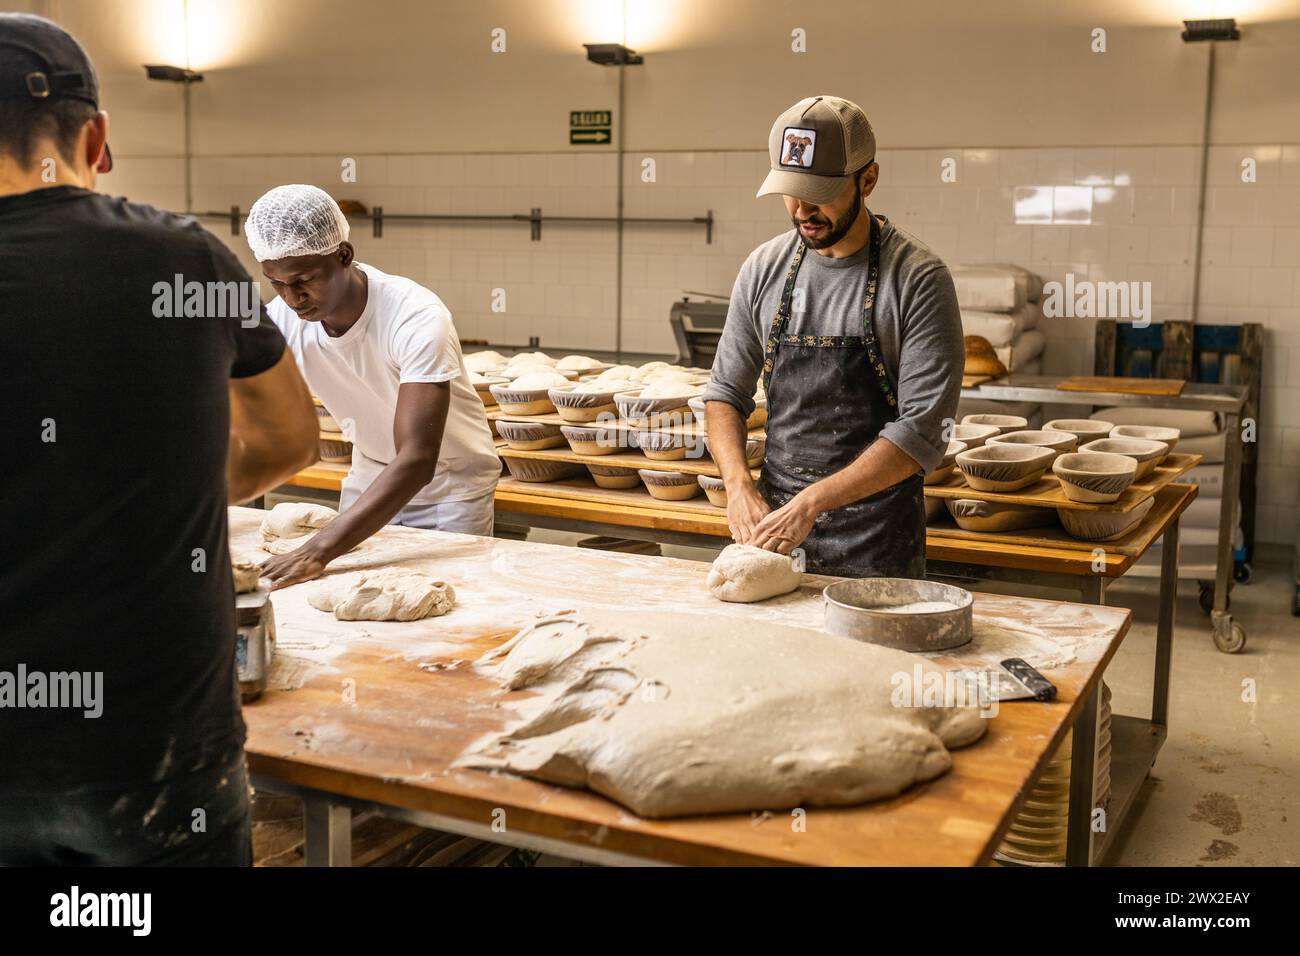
column 246, row 572
column 391, row 594
column 678, row 714
column 743, row 574
column 293, row 519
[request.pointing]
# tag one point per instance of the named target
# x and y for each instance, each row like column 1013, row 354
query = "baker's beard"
column 838, row 230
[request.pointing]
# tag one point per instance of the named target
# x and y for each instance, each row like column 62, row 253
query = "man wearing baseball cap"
column 121, row 738
column 852, row 328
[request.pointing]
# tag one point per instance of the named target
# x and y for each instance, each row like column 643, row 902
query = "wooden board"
column 324, row 475
column 394, row 739
column 1169, row 387
column 584, row 489
column 1046, row 492
column 632, row 458
column 530, row 498
column 1170, row 502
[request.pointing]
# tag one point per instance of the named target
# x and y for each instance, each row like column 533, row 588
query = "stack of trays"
column 564, row 431
column 334, row 447
column 1038, row 834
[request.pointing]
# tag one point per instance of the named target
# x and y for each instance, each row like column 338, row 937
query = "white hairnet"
column 295, row 220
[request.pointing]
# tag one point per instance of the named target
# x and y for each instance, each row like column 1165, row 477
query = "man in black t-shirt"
column 129, row 426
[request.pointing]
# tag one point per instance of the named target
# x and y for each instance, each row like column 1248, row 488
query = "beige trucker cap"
column 816, row 146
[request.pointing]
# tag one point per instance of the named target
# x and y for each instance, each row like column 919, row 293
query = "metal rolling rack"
column 1226, row 400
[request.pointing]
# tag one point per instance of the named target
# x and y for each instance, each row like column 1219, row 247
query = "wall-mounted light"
column 172, row 74
column 1196, row 31
column 612, row 54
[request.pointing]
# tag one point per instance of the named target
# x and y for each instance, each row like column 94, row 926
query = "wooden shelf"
column 632, row 458
column 1170, row 501
column 1047, row 493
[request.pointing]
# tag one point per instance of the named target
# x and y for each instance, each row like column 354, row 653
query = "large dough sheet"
column 674, row 714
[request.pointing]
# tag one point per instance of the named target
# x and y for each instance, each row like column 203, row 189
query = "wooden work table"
column 365, row 714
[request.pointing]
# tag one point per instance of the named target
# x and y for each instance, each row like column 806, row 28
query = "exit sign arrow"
column 589, row 136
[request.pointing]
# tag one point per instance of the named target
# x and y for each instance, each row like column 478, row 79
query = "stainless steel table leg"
column 327, row 833
column 1165, row 624
column 1083, row 775
column 1227, row 637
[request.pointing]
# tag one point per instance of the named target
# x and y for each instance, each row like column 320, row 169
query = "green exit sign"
column 579, row 119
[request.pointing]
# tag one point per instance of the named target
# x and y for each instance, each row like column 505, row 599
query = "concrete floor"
column 1225, row 786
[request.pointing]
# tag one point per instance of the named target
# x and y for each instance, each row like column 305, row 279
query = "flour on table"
column 390, row 594
column 743, row 573
column 677, row 714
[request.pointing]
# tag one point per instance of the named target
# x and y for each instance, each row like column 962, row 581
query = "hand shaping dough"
column 677, row 714
column 743, row 574
column 391, row 594
column 246, row 572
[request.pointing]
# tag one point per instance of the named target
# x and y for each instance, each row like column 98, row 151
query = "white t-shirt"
column 405, row 334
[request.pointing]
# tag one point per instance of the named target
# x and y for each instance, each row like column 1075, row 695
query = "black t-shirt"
column 113, row 539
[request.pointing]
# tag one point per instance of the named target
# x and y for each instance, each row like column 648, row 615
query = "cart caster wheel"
column 1243, row 572
column 1233, row 641
column 1206, row 597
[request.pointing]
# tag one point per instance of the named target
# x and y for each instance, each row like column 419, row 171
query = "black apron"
column 828, row 397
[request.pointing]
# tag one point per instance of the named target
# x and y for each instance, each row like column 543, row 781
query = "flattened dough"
column 743, row 574
column 679, row 714
column 293, row 519
column 390, row 594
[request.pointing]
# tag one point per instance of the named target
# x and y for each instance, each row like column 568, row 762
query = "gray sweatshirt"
column 916, row 320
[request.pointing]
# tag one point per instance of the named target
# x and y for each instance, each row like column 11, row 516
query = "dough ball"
column 621, row 372
column 246, row 572
column 681, row 390
column 642, row 373
column 390, row 594
column 743, row 574
column 605, row 385
column 530, row 358
column 538, row 380
column 579, row 362
column 482, row 361
column 293, row 519
column 669, row 375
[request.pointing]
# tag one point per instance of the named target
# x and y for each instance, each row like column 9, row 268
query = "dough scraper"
column 1015, row 679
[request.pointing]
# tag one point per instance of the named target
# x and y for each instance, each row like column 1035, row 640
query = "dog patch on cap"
column 798, row 146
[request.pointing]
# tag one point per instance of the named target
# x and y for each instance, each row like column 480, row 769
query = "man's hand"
column 302, row 564
column 745, row 509
column 787, row 527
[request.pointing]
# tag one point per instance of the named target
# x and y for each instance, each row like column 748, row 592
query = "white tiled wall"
column 1141, row 227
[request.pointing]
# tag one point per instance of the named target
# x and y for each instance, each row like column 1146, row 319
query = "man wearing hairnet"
column 381, row 353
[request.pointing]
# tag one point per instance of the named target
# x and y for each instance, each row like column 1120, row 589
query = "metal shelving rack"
column 1228, row 401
